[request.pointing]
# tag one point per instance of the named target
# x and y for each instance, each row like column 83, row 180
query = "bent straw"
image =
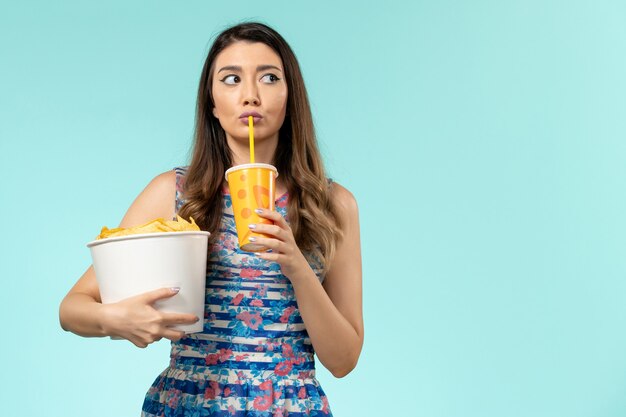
column 251, row 134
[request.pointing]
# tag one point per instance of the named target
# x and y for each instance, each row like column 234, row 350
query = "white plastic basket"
column 130, row 265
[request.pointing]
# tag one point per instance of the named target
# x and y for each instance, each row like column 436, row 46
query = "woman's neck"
column 264, row 150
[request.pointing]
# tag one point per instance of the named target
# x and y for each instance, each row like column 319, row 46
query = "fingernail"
column 252, row 226
column 175, row 289
column 252, row 239
column 258, row 211
column 197, row 319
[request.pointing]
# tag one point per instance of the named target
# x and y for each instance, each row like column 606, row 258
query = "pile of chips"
column 155, row 226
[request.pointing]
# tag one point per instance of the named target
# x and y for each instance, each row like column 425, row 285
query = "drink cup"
column 251, row 186
column 130, row 265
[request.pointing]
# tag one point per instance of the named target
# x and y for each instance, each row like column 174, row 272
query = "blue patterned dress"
column 254, row 356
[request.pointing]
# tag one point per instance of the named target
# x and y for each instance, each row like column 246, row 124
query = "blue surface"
column 495, row 129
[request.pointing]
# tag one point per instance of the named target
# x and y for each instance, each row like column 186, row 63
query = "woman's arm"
column 82, row 311
column 332, row 312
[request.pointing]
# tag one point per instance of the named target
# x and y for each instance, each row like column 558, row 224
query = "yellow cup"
column 251, row 186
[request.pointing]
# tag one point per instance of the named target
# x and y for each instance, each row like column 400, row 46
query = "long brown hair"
column 311, row 212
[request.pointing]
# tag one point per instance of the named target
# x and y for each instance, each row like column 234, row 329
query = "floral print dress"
column 254, row 356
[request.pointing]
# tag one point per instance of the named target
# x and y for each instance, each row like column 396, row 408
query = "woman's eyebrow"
column 259, row 68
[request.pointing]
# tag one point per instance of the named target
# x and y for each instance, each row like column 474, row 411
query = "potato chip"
column 155, row 226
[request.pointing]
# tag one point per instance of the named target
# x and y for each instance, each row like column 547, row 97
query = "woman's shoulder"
column 345, row 200
column 155, row 201
column 341, row 194
column 167, row 185
column 170, row 179
column 165, row 181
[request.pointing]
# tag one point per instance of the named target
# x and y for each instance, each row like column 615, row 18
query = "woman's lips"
column 244, row 120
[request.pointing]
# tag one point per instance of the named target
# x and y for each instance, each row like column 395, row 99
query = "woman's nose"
column 251, row 100
column 251, row 95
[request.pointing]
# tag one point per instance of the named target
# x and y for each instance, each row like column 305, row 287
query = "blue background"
column 495, row 129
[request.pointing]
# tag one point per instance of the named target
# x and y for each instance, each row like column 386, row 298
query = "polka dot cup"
column 251, row 186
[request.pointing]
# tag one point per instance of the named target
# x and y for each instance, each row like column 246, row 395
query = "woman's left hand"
column 285, row 251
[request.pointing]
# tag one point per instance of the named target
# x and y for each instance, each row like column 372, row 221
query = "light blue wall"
column 495, row 128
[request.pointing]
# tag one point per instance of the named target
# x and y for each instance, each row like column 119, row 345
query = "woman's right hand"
column 136, row 320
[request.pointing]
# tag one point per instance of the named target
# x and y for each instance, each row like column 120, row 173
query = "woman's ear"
column 214, row 110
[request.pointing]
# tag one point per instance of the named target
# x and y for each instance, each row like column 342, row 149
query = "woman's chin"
column 245, row 140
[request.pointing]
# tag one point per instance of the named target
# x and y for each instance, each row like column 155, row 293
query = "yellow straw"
column 251, row 132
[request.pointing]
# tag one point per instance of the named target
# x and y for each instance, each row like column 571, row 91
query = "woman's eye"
column 271, row 78
column 230, row 79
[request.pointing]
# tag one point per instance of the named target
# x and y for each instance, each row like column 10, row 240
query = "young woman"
column 266, row 314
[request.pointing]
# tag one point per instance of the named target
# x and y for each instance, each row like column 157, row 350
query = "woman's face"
column 249, row 77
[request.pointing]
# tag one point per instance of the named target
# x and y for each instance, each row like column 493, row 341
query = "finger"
column 273, row 244
column 173, row 319
column 152, row 296
column 139, row 343
column 269, row 229
column 274, row 257
column 173, row 335
column 275, row 216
